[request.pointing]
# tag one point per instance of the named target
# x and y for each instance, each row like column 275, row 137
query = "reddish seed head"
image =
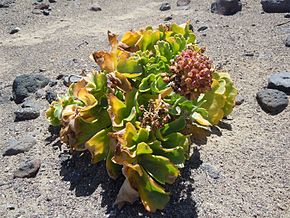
column 193, row 73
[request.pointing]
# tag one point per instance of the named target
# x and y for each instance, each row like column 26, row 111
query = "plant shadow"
column 85, row 178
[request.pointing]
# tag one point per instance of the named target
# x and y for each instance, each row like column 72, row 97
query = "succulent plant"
column 153, row 83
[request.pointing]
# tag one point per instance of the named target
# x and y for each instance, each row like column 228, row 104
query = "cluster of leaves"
column 129, row 115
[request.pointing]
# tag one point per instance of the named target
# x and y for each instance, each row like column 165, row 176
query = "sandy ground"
column 250, row 151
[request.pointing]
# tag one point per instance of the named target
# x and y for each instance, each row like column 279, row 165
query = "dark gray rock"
column 46, row 12
column 27, row 169
column 40, row 94
column 202, row 28
column 25, row 85
column 52, row 1
column 239, row 100
column 68, row 80
column 6, row 3
column 14, row 30
column 42, row 6
column 95, row 7
column 165, row 6
column 210, row 170
column 276, row 6
column 280, row 81
column 183, row 2
column 287, row 15
column 19, row 146
column 28, row 113
column 10, row 206
column 226, row 7
column 287, row 41
column 272, row 101
column 50, row 96
column 168, row 18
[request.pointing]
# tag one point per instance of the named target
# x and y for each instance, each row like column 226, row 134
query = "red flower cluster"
column 192, row 74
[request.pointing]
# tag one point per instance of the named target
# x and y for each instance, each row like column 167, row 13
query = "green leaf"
column 177, row 29
column 159, row 167
column 114, row 170
column 174, row 126
column 86, row 130
column 176, row 154
column 130, row 65
column 98, row 146
column 152, row 195
column 118, row 109
column 143, row 148
column 142, row 136
column 146, row 83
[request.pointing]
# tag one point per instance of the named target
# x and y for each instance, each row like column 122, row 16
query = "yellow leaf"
column 198, row 118
column 98, row 146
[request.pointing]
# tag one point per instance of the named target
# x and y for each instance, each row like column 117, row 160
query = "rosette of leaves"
column 131, row 116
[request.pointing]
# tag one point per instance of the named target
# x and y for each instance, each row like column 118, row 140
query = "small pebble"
column 68, row 80
column 27, row 169
column 183, row 2
column 168, row 18
column 15, row 30
column 287, row 41
column 239, row 100
column 46, row 12
column 28, row 113
column 203, row 28
column 95, row 8
column 165, row 6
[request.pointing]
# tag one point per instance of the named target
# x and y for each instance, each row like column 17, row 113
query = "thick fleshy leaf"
column 145, row 84
column 126, row 194
column 174, row 126
column 117, row 109
column 106, row 60
column 142, row 136
column 114, row 170
column 214, row 102
column 177, row 29
column 96, row 82
column 130, row 133
column 143, row 148
column 53, row 114
column 159, row 167
column 77, row 131
column 152, row 195
column 131, row 38
column 200, row 120
column 176, row 154
column 98, row 146
column 130, row 65
column 230, row 93
column 124, row 84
